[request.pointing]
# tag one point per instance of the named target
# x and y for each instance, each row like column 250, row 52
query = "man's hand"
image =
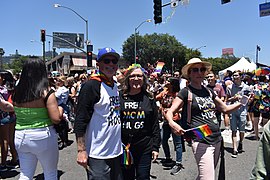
column 154, row 155
column 82, row 158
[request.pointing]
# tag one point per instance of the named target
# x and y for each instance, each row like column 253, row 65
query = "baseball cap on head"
column 107, row 51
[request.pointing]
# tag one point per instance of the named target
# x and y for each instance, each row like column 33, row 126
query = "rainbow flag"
column 127, row 158
column 201, row 131
column 159, row 67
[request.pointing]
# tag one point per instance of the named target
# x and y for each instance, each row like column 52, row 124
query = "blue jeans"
column 177, row 141
column 140, row 169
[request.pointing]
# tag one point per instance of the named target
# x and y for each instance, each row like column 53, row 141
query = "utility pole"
column 2, row 52
column 258, row 48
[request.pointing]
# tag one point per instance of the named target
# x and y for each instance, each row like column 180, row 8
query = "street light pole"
column 85, row 20
column 258, row 48
column 2, row 52
column 200, row 47
column 135, row 43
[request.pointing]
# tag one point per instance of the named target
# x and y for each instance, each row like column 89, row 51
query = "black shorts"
column 264, row 115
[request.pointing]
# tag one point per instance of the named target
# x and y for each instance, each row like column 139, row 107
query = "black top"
column 202, row 112
column 140, row 126
column 88, row 97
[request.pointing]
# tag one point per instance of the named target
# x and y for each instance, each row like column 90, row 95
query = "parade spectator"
column 199, row 110
column 250, row 118
column 140, row 126
column 62, row 95
column 153, row 83
column 7, row 122
column 227, row 80
column 261, row 168
column 239, row 117
column 166, row 98
column 71, row 102
column 36, row 111
column 261, row 105
column 120, row 77
column 218, row 89
column 97, row 124
column 82, row 79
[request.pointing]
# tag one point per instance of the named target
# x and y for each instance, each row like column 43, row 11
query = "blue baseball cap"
column 107, row 51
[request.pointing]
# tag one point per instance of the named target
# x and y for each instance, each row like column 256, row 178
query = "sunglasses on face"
column 139, row 76
column 202, row 69
column 107, row 61
column 207, row 77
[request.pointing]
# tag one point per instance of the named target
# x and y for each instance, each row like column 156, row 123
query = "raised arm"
column 222, row 107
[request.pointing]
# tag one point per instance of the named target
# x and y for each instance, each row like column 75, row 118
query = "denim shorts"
column 7, row 120
column 238, row 122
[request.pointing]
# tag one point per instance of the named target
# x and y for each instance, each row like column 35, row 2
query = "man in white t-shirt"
column 98, row 125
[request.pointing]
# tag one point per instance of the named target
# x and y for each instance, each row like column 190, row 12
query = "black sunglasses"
column 202, row 69
column 139, row 76
column 107, row 61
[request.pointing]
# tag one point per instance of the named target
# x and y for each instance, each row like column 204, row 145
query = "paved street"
column 238, row 168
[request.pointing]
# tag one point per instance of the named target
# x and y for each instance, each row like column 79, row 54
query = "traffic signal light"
column 157, row 11
column 89, row 55
column 225, row 1
column 43, row 35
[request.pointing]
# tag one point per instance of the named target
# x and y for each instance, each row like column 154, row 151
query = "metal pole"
column 200, row 47
column 86, row 41
column 1, row 61
column 49, row 42
column 135, row 42
column 135, row 49
column 85, row 20
column 2, row 52
column 257, row 57
column 43, row 45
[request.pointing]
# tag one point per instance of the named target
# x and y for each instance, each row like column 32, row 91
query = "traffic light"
column 225, row 1
column 157, row 11
column 89, row 55
column 43, row 35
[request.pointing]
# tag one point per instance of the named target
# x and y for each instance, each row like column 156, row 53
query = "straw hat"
column 195, row 61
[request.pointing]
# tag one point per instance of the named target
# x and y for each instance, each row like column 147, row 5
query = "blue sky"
column 201, row 23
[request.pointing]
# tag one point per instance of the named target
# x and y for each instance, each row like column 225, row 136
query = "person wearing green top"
column 36, row 110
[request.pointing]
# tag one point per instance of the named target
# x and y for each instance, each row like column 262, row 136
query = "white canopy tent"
column 242, row 65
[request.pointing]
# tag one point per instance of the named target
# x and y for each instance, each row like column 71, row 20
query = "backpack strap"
column 48, row 95
column 189, row 101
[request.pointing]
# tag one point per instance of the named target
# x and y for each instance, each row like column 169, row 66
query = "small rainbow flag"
column 201, row 131
column 127, row 158
column 159, row 67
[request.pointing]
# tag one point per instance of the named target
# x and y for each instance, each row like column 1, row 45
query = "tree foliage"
column 157, row 47
column 220, row 63
column 17, row 63
column 164, row 47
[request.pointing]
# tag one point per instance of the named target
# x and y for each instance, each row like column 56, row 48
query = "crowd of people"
column 123, row 117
